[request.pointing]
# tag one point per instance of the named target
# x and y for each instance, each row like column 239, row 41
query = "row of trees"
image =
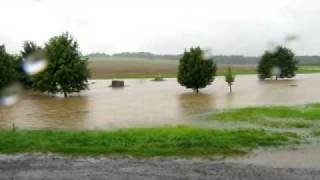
column 66, row 71
column 196, row 71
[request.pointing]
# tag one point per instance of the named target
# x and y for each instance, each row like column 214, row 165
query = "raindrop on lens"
column 276, row 71
column 271, row 46
column 207, row 54
column 34, row 64
column 291, row 38
column 9, row 95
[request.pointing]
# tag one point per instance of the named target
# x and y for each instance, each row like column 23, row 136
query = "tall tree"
column 8, row 73
column 280, row 63
column 230, row 78
column 195, row 71
column 66, row 71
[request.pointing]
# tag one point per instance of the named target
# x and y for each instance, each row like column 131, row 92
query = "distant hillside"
column 145, row 55
column 221, row 59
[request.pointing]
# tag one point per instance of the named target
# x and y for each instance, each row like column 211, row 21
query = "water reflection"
column 44, row 112
column 191, row 103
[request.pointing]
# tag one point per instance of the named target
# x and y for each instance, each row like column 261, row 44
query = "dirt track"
column 55, row 167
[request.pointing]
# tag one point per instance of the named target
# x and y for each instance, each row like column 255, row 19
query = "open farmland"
column 119, row 67
column 124, row 67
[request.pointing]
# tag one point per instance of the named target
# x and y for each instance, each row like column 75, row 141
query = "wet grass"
column 275, row 116
column 145, row 142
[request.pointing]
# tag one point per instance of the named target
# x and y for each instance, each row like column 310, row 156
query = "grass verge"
column 146, row 142
column 274, row 116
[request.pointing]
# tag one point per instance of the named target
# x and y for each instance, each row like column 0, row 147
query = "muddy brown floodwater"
column 147, row 103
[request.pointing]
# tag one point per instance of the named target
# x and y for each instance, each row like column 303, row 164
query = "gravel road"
column 34, row 167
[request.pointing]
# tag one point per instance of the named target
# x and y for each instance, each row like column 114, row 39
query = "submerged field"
column 117, row 67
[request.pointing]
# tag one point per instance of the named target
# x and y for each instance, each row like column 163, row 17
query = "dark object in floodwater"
column 158, row 78
column 293, row 85
column 117, row 84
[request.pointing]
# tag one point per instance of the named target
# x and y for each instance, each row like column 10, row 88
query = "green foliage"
column 230, row 78
column 8, row 65
column 29, row 47
column 282, row 58
column 163, row 141
column 274, row 116
column 195, row 71
column 66, row 72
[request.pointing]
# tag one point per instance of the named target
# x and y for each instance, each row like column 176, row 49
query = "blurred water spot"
column 276, row 71
column 291, row 38
column 10, row 94
column 33, row 65
column 207, row 54
column 271, row 46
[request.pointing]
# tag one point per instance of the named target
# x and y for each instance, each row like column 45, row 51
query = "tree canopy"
column 29, row 47
column 66, row 71
column 8, row 73
column 195, row 70
column 280, row 63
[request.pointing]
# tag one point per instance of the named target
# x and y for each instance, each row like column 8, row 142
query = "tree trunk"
column 230, row 88
column 276, row 77
column 197, row 90
column 65, row 94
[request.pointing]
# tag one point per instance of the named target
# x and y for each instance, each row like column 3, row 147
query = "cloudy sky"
column 245, row 27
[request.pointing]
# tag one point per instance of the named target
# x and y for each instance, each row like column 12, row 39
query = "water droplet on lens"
column 276, row 71
column 34, row 63
column 34, row 66
column 291, row 38
column 271, row 46
column 10, row 95
column 207, row 54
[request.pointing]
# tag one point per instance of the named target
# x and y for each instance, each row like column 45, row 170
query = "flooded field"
column 305, row 156
column 147, row 103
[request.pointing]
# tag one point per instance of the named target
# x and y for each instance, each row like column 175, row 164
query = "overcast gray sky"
column 245, row 27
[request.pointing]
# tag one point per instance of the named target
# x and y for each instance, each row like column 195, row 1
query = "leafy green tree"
column 67, row 71
column 230, row 78
column 8, row 73
column 280, row 63
column 29, row 48
column 265, row 65
column 195, row 71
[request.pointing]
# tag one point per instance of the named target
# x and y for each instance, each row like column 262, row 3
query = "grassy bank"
column 275, row 116
column 165, row 141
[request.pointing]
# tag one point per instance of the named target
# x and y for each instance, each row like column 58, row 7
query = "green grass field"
column 163, row 141
column 307, row 116
column 117, row 68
